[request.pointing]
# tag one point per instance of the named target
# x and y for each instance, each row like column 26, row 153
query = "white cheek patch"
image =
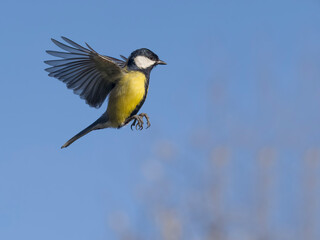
column 143, row 62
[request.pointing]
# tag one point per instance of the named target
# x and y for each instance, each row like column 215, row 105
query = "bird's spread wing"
column 89, row 74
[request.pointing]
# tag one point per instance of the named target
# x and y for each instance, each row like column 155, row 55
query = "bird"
column 94, row 77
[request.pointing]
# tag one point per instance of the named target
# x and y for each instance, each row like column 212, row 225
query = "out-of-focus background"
column 233, row 152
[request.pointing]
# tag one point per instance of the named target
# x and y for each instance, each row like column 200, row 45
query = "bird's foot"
column 138, row 121
column 146, row 117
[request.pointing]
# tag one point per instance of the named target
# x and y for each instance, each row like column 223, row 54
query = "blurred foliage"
column 250, row 169
column 177, row 204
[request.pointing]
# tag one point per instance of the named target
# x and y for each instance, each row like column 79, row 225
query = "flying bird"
column 94, row 77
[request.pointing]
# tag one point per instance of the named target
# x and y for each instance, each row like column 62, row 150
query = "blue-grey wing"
column 89, row 74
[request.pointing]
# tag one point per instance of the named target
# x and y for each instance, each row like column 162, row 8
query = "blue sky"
column 222, row 56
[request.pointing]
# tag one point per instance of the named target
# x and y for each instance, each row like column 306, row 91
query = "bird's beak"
column 160, row 62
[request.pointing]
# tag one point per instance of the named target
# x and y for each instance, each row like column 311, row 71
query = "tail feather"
column 85, row 131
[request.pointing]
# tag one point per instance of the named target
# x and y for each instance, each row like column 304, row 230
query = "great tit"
column 94, row 76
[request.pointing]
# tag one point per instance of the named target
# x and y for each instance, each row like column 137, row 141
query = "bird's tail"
column 85, row 131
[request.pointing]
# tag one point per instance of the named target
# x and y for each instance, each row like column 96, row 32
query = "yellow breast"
column 125, row 96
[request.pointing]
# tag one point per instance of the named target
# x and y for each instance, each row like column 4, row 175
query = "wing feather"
column 65, row 54
column 56, row 69
column 76, row 45
column 89, row 74
column 66, row 47
column 124, row 58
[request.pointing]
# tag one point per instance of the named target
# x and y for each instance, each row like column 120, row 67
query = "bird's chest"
column 125, row 97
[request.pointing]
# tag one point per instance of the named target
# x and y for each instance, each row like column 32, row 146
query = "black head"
column 143, row 59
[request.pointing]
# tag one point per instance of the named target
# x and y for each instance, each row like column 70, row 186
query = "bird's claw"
column 138, row 121
column 146, row 117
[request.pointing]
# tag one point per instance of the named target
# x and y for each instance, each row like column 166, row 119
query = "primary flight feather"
column 94, row 77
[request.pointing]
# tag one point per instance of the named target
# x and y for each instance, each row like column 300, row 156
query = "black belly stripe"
column 136, row 110
column 146, row 85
